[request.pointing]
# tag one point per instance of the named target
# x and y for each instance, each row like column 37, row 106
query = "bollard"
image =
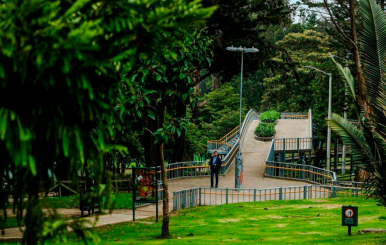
column 226, row 195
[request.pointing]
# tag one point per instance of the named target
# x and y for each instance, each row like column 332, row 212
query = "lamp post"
column 328, row 167
column 345, row 110
column 239, row 166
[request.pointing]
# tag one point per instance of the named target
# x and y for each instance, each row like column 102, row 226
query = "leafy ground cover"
column 275, row 222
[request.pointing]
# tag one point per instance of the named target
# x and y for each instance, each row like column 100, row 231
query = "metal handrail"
column 201, row 196
column 233, row 132
column 303, row 172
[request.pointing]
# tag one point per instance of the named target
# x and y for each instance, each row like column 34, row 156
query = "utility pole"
column 239, row 159
column 345, row 114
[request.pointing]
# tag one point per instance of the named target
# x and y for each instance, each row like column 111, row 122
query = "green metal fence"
column 205, row 196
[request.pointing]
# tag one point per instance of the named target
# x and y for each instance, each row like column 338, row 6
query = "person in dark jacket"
column 215, row 166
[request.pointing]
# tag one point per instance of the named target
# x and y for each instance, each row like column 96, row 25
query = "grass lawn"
column 285, row 222
column 12, row 222
column 123, row 201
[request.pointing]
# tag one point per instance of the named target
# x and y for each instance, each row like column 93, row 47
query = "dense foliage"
column 265, row 130
column 368, row 141
column 69, row 62
column 217, row 114
column 269, row 116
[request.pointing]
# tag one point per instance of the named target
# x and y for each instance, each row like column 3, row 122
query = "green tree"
column 68, row 61
column 368, row 141
column 243, row 23
column 160, row 89
column 218, row 114
column 295, row 89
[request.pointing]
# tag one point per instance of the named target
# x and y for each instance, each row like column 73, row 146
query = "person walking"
column 215, row 166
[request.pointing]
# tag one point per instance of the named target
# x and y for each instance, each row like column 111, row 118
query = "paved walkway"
column 254, row 153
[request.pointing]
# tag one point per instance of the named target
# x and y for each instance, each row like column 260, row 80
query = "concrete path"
column 254, row 153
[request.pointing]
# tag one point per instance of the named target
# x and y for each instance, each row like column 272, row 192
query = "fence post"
column 356, row 191
column 333, row 191
column 191, row 197
column 174, row 201
column 281, row 193
column 284, row 148
column 305, row 192
column 184, row 198
column 226, row 196
column 199, row 193
column 254, row 195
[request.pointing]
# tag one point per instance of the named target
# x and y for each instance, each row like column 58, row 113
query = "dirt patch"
column 308, row 233
column 275, row 217
column 228, row 220
column 318, row 200
column 371, row 218
column 281, row 225
column 324, row 206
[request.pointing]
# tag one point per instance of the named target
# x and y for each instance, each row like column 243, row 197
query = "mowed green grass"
column 285, row 222
column 122, row 201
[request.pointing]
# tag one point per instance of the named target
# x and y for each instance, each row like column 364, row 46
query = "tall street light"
column 345, row 109
column 239, row 166
column 328, row 167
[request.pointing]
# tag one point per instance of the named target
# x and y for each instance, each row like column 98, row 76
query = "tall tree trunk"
column 179, row 145
column 358, row 66
column 161, row 162
column 147, row 142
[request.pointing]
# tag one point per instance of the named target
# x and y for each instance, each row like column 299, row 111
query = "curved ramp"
column 254, row 154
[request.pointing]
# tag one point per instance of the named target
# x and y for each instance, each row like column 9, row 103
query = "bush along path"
column 265, row 131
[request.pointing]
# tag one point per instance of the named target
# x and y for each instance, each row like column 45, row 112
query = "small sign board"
column 145, row 187
column 349, row 217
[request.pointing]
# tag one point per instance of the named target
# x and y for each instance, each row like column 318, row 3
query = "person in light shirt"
column 215, row 166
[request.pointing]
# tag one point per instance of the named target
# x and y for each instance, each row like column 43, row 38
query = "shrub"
column 265, row 130
column 269, row 116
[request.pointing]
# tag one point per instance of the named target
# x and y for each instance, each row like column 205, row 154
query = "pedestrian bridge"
column 281, row 162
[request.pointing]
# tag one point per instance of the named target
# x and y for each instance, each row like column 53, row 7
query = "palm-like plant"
column 368, row 141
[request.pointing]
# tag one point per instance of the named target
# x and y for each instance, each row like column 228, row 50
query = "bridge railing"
column 293, row 115
column 295, row 171
column 293, row 144
column 229, row 136
column 205, row 196
column 302, row 172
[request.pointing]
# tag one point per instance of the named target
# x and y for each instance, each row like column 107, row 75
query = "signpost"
column 145, row 187
column 349, row 217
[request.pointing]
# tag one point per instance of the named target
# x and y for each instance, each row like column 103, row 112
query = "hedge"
column 269, row 116
column 265, row 130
